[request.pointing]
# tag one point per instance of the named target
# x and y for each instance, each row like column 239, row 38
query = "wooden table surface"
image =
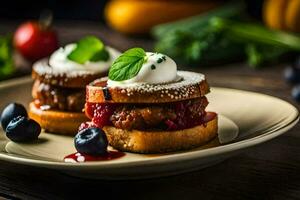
column 267, row 171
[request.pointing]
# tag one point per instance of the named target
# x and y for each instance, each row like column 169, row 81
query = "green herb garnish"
column 159, row 60
column 101, row 55
column 6, row 58
column 127, row 65
column 89, row 48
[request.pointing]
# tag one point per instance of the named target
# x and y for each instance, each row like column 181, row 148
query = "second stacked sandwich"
column 59, row 87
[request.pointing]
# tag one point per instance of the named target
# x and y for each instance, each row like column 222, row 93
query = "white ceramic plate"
column 257, row 118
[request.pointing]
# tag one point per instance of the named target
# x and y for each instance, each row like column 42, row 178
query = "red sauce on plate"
column 79, row 157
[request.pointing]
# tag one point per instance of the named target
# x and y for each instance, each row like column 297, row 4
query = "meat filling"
column 128, row 117
column 57, row 98
column 171, row 116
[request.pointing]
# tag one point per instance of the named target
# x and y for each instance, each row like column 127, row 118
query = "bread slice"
column 192, row 85
column 161, row 141
column 58, row 122
column 42, row 71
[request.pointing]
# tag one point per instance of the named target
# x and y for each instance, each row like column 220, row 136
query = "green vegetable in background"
column 197, row 23
column 89, row 48
column 260, row 43
column 208, row 48
column 6, row 57
column 223, row 38
column 256, row 33
column 258, row 54
column 194, row 41
column 127, row 65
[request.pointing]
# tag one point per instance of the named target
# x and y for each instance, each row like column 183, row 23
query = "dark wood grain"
column 268, row 171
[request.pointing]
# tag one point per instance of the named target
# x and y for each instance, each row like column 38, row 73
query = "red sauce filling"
column 184, row 110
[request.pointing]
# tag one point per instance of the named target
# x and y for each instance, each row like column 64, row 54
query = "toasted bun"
column 192, row 85
column 58, row 122
column 75, row 79
column 161, row 141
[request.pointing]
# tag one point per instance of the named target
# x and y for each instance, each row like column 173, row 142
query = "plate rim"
column 167, row 159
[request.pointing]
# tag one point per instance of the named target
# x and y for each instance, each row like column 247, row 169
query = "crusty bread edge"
column 63, row 79
column 58, row 122
column 96, row 94
column 161, row 141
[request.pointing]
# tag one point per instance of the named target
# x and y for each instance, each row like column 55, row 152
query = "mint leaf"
column 89, row 48
column 101, row 55
column 127, row 65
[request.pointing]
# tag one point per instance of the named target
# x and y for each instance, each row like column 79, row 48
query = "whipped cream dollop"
column 59, row 61
column 157, row 69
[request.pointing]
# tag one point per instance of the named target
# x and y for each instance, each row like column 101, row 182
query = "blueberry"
column 296, row 93
column 292, row 74
column 11, row 111
column 22, row 129
column 91, row 141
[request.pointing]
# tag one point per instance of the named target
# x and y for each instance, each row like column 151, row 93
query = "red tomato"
column 35, row 42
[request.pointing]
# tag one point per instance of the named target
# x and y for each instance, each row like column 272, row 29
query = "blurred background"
column 66, row 9
column 196, row 33
column 75, row 10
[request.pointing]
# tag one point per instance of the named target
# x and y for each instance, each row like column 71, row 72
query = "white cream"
column 59, row 61
column 157, row 69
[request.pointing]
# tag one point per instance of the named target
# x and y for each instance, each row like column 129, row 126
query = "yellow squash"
column 274, row 13
column 139, row 16
column 292, row 17
column 282, row 14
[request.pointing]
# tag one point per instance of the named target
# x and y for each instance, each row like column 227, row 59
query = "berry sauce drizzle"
column 79, row 157
column 188, row 114
column 208, row 117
